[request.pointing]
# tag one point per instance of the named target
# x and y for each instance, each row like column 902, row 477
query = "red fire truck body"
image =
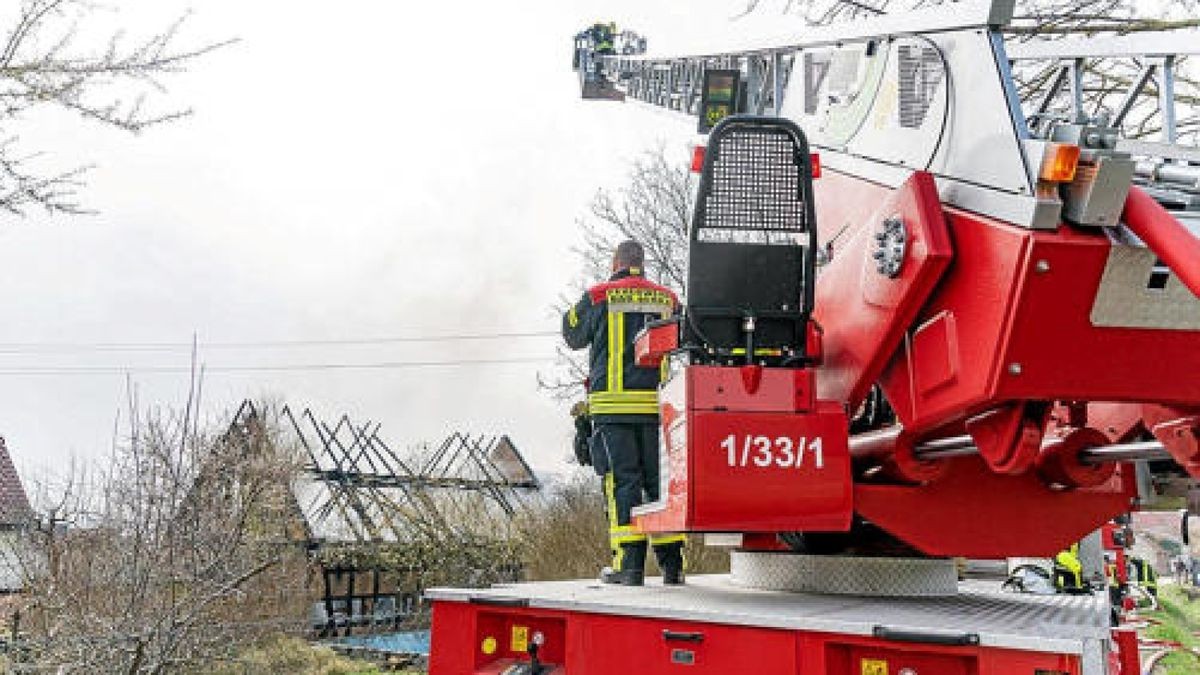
column 987, row 275
column 715, row 627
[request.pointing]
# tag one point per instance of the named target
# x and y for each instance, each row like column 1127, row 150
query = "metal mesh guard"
column 755, row 194
column 844, row 575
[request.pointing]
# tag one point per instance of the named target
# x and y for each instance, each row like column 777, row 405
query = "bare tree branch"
column 1034, row 17
column 654, row 208
column 45, row 63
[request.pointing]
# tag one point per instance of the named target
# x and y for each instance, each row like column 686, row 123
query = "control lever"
column 534, row 667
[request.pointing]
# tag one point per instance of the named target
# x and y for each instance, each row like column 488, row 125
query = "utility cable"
column 42, row 347
column 382, row 365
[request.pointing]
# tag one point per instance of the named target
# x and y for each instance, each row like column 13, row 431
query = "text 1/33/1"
column 781, row 451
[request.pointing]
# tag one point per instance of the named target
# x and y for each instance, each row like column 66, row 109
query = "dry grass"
column 292, row 656
column 567, row 537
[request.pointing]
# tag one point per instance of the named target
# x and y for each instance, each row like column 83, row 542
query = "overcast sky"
column 354, row 170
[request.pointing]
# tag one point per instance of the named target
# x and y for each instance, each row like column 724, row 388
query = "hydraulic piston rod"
column 875, row 444
column 961, row 446
column 1125, row 452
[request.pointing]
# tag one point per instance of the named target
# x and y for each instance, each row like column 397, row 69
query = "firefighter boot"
column 629, row 565
column 670, row 561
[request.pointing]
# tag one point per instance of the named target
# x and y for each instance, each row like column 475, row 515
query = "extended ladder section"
column 944, row 91
column 1125, row 91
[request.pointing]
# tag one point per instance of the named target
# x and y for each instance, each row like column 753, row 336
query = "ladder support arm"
column 1173, row 243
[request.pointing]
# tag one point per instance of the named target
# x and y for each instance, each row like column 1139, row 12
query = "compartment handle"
column 499, row 602
column 680, row 636
column 926, row 637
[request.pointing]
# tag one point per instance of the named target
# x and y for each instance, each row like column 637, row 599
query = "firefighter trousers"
column 629, row 457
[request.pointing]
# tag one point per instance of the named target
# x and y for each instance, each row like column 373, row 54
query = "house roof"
column 14, row 504
column 511, row 463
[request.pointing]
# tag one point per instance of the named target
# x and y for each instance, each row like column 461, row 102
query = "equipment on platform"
column 1013, row 281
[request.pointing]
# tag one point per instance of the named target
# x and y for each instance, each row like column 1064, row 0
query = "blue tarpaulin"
column 405, row 642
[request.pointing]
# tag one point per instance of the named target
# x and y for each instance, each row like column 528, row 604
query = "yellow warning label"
column 520, row 640
column 489, row 645
column 874, row 667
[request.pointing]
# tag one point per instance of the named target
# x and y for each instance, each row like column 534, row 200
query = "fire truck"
column 997, row 290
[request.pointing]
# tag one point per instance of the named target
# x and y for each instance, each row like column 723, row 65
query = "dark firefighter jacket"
column 608, row 317
column 602, row 36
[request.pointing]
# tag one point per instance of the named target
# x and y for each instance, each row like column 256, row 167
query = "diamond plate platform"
column 1075, row 624
column 843, row 575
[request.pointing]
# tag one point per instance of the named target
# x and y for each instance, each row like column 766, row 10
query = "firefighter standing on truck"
column 623, row 407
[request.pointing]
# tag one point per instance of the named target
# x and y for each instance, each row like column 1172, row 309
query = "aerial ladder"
column 993, row 279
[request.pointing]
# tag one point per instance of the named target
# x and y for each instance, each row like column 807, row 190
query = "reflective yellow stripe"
column 610, row 498
column 625, row 534
column 612, row 351
column 622, row 400
column 638, row 395
column 572, row 318
column 618, row 534
column 664, row 539
column 632, row 402
column 741, row 351
column 620, row 360
column 623, row 409
column 640, row 300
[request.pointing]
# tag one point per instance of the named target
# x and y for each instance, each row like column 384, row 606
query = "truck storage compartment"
column 843, row 659
column 626, row 645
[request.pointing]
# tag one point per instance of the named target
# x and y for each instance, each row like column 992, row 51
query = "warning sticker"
column 520, row 640
column 874, row 667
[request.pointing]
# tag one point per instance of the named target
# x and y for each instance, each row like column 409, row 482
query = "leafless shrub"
column 180, row 551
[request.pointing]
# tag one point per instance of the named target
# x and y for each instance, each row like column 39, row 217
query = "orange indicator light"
column 1059, row 163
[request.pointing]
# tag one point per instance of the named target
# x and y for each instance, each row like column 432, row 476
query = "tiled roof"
column 14, row 505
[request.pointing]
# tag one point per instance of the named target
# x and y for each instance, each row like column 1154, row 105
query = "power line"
column 42, row 347
column 381, row 365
